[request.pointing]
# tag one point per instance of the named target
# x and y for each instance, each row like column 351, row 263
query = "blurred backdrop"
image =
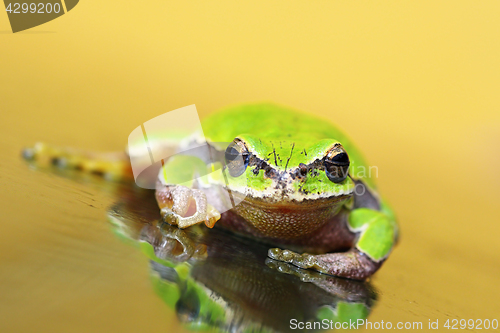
column 415, row 84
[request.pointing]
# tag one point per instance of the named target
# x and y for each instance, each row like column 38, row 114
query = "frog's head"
column 287, row 183
column 287, row 170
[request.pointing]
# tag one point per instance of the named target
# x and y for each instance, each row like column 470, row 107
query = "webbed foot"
column 352, row 264
column 185, row 207
column 283, row 267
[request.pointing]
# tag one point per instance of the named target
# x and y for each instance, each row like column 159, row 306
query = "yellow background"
column 415, row 83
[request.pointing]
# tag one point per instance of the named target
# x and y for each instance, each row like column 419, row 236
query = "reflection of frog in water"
column 216, row 280
column 297, row 174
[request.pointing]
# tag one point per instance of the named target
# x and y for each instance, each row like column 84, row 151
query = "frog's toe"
column 304, row 261
column 283, row 267
column 274, row 253
column 300, row 260
column 173, row 244
column 278, row 265
column 172, row 218
column 169, row 217
column 281, row 255
column 212, row 216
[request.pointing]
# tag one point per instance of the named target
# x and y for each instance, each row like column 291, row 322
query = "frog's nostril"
column 302, row 169
column 271, row 173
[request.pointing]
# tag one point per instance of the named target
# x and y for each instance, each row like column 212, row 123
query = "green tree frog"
column 305, row 189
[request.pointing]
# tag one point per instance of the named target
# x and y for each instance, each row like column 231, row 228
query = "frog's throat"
column 288, row 220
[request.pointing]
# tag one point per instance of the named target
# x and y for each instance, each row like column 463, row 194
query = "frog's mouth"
column 298, row 204
column 282, row 190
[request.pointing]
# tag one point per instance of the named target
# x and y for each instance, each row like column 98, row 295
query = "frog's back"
column 267, row 121
column 271, row 122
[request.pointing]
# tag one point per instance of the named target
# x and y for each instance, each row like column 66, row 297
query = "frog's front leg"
column 376, row 232
column 184, row 207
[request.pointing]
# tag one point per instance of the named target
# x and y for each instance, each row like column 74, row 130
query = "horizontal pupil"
column 334, row 166
column 340, row 158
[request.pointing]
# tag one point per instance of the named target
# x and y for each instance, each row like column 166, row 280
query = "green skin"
column 285, row 140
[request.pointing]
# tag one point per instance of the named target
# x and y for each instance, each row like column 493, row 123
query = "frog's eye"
column 237, row 158
column 336, row 164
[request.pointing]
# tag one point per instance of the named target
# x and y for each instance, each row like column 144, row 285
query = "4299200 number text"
column 38, row 8
column 471, row 324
